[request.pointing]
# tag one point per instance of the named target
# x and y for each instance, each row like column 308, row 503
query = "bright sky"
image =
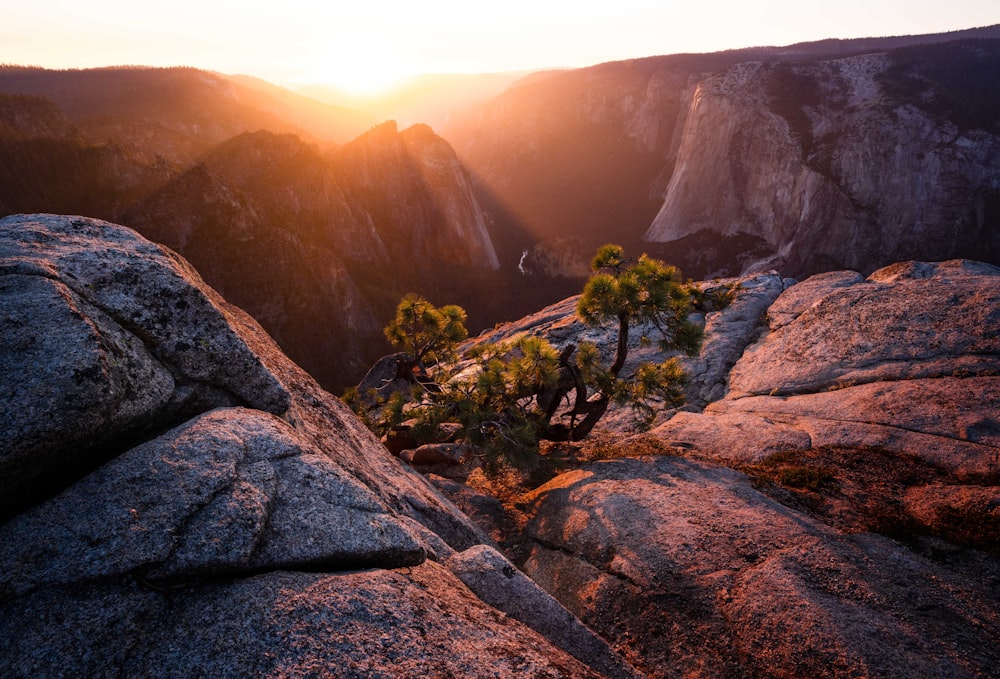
column 365, row 44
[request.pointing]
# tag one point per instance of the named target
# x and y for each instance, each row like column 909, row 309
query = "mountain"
column 303, row 239
column 715, row 161
column 413, row 180
column 853, row 162
column 318, row 241
column 48, row 166
column 809, row 158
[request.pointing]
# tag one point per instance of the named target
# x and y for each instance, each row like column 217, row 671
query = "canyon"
column 192, row 264
column 808, row 158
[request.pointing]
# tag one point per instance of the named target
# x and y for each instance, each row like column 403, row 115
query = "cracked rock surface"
column 907, row 360
column 690, row 571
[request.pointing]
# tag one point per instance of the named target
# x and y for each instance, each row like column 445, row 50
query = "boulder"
column 386, row 377
column 106, row 337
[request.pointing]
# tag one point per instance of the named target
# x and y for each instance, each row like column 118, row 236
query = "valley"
column 193, row 265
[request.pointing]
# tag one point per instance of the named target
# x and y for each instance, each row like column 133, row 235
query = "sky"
column 366, row 45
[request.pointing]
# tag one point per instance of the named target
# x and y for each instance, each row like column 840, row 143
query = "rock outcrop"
column 179, row 498
column 827, row 505
column 727, row 332
column 690, row 571
column 907, row 359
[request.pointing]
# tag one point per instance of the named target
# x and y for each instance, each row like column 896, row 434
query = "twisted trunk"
column 570, row 379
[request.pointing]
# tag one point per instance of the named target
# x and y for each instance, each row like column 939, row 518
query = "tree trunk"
column 570, row 379
column 622, row 352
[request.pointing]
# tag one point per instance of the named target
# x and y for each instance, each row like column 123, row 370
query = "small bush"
column 793, row 469
column 805, row 478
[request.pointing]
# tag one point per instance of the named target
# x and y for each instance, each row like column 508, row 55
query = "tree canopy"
column 510, row 397
column 429, row 334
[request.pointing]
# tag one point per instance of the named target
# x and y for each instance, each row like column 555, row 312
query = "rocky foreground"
column 179, row 499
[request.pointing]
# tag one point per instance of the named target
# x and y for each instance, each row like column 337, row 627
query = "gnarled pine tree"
column 510, row 399
column 645, row 292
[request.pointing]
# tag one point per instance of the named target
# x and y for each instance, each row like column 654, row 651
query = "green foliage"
column 662, row 383
column 429, row 334
column 496, row 404
column 507, row 400
column 647, row 292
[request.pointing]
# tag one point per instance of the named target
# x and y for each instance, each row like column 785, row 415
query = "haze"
column 368, row 48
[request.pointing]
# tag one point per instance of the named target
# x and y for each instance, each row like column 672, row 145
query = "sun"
column 359, row 66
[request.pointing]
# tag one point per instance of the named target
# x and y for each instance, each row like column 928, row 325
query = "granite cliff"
column 849, row 163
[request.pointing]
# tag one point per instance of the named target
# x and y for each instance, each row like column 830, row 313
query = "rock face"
column 907, row 359
column 420, row 191
column 841, row 163
column 179, row 497
column 693, row 572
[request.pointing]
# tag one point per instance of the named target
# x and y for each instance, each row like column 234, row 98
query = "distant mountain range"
column 433, row 99
column 316, row 218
